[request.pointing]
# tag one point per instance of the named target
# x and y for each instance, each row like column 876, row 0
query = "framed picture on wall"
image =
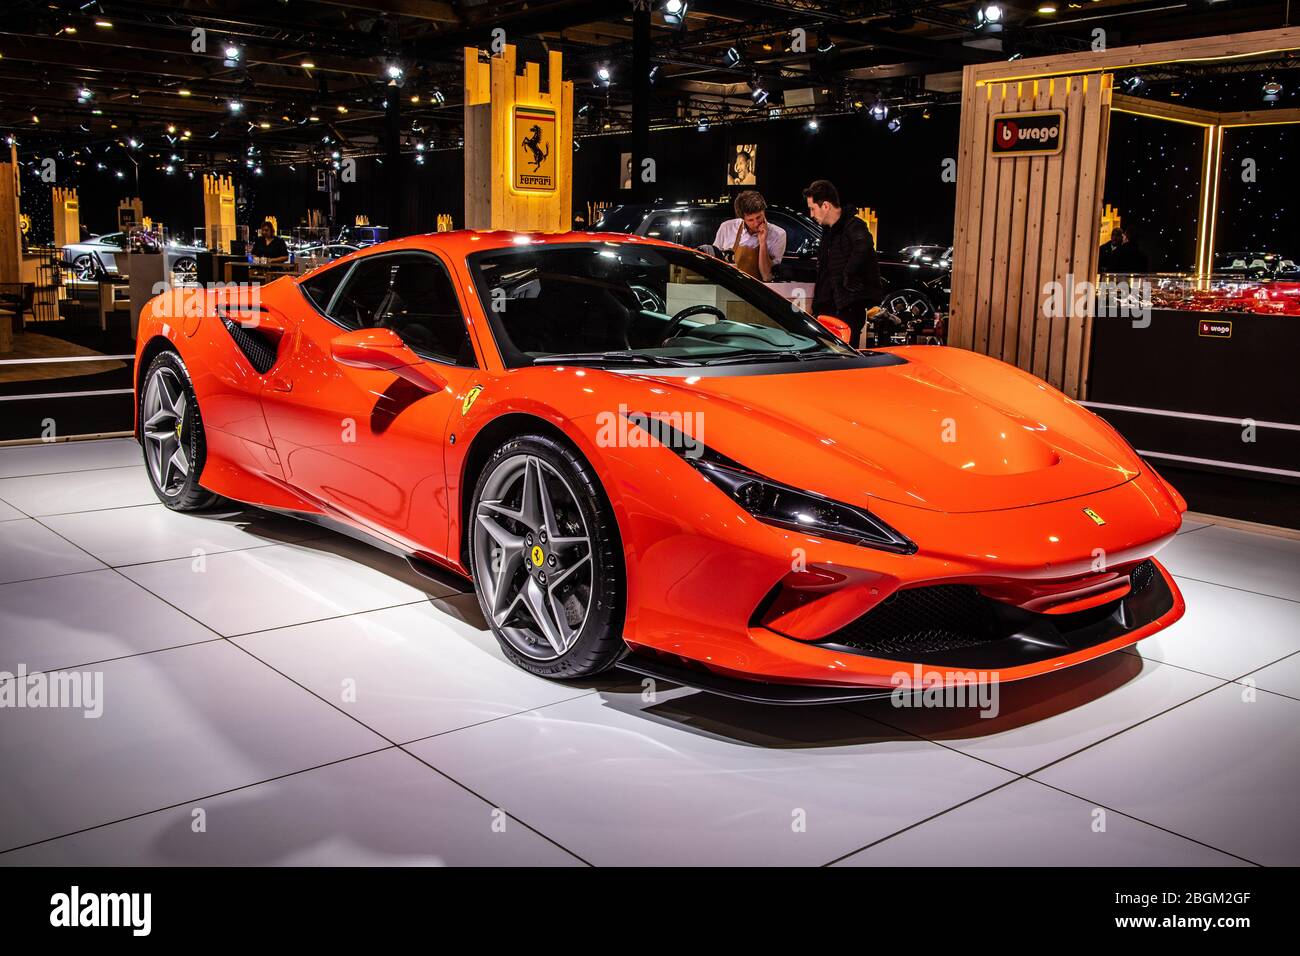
column 743, row 165
column 624, row 170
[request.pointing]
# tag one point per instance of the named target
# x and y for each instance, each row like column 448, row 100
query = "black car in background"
column 916, row 283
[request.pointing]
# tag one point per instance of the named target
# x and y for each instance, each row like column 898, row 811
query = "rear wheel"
column 547, row 561
column 171, row 433
column 85, row 266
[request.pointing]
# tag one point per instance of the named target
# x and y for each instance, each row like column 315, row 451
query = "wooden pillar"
column 518, row 145
column 11, row 235
column 67, row 216
column 219, row 211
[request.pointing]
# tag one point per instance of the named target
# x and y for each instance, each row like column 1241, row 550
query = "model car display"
column 98, row 255
column 644, row 458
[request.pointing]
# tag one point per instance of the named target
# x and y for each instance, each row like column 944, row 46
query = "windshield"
column 610, row 303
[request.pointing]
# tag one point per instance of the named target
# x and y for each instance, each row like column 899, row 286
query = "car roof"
column 464, row 242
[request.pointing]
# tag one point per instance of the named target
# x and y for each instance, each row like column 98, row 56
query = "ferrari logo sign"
column 1096, row 518
column 1027, row 134
column 534, row 160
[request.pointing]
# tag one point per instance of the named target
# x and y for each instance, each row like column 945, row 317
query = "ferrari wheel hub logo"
column 1096, row 518
column 538, row 556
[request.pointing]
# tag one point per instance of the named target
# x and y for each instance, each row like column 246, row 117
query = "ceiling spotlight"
column 182, row 92
column 824, row 42
column 232, row 54
column 654, row 73
column 759, row 96
column 84, row 94
column 992, row 13
column 104, row 25
column 1047, row 8
column 1131, row 83
column 170, row 169
column 603, row 76
column 235, row 106
column 731, row 58
column 171, row 128
column 133, row 143
column 342, row 109
column 119, row 174
column 1272, row 91
column 308, row 65
column 264, row 124
column 878, row 109
column 895, row 124
column 813, row 124
column 394, row 71
column 675, row 12
column 702, row 126
column 437, row 97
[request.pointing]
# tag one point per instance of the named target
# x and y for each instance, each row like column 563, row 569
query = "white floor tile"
column 176, row 725
column 1028, row 824
column 9, row 513
column 53, row 457
column 78, row 491
column 123, row 536
column 1264, row 563
column 406, row 672
column 1042, row 719
column 703, row 780
column 240, row 591
column 1282, row 677
column 1191, row 524
column 1218, row 769
column 28, row 550
column 1226, row 632
column 383, row 809
column 82, row 618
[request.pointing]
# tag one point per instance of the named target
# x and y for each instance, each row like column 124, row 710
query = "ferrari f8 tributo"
column 642, row 457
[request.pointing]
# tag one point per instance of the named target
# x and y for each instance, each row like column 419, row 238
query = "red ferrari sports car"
column 644, row 458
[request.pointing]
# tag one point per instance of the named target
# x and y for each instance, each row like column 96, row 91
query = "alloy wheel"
column 164, row 431
column 533, row 557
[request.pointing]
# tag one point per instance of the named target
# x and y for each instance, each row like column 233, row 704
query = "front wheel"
column 171, row 433
column 547, row 561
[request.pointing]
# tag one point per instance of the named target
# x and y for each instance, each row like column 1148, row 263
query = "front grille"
column 1141, row 577
column 259, row 352
column 923, row 621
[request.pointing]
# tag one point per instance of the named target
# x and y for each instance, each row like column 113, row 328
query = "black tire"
column 187, row 494
column 598, row 644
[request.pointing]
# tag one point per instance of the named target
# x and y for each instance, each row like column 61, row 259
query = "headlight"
column 772, row 502
column 777, row 504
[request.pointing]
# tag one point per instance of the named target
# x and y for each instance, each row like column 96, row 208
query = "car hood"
column 946, row 430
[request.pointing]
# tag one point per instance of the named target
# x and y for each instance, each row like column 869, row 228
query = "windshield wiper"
column 784, row 356
column 615, row 357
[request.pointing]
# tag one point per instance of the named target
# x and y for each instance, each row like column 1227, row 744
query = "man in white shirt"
column 756, row 244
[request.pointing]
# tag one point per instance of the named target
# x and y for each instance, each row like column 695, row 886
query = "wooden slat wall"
column 1024, row 222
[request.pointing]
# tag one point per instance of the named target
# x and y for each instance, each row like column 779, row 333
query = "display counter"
column 1215, row 390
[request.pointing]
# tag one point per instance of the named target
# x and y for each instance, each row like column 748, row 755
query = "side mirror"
column 384, row 351
column 837, row 327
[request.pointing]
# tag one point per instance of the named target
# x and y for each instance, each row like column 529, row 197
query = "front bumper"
column 701, row 589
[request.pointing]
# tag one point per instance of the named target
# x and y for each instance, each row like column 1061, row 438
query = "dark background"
column 898, row 174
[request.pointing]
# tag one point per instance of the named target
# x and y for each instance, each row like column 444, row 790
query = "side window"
column 319, row 289
column 799, row 239
column 411, row 294
column 362, row 294
column 700, row 227
column 662, row 225
column 421, row 307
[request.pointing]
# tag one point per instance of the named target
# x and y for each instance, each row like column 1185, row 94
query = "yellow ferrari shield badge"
column 468, row 402
column 1096, row 518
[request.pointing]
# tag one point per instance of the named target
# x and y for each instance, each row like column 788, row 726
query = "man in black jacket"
column 848, row 276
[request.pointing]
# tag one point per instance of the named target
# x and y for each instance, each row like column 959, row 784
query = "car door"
column 365, row 443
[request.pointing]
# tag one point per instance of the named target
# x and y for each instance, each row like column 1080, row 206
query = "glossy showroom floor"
column 318, row 703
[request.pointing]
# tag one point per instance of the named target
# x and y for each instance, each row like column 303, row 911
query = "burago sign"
column 1027, row 134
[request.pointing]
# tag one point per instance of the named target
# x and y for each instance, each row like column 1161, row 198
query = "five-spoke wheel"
column 171, row 433
column 542, row 560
